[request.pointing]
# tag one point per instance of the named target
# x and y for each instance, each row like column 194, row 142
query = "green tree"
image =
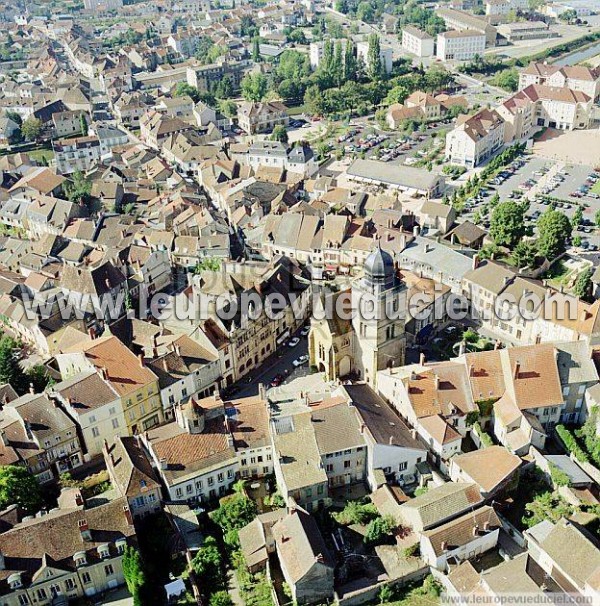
column 524, row 254
column 79, row 189
column 133, row 572
column 31, row 128
column 508, row 79
column 365, row 12
column 349, row 62
column 554, row 229
column 314, row 100
column 379, row 530
column 19, row 487
column 224, row 88
column 355, row 512
column 597, row 218
column 83, row 125
column 208, row 564
column 184, row 89
column 577, row 217
column 235, row 512
column 220, row 598
column 280, row 134
column 507, row 224
column 546, row 506
column 10, row 371
column 254, row 87
column 374, row 64
column 228, row 108
column 583, row 284
column 256, row 49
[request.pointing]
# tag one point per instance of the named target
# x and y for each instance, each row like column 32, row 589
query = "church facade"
column 370, row 338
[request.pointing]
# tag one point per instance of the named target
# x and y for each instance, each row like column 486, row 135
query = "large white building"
column 417, row 42
column 576, row 77
column 475, row 138
column 316, row 51
column 385, row 54
column 462, row 45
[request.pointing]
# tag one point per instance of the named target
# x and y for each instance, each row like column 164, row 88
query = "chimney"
column 4, row 438
column 416, row 231
column 362, row 428
column 391, row 440
column 31, row 388
column 506, row 280
column 91, row 333
column 517, row 370
column 486, row 526
column 84, row 529
column 475, row 261
column 471, row 370
column 413, row 433
column 437, row 382
column 422, row 359
column 444, row 545
column 141, row 359
column 163, row 464
column 2, row 563
column 128, row 515
column 79, row 500
column 462, row 348
column 104, row 373
column 476, row 530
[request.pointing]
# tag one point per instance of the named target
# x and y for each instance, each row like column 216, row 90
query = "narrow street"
column 278, row 363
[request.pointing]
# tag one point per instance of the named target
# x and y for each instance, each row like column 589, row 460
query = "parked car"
column 300, row 361
column 293, row 342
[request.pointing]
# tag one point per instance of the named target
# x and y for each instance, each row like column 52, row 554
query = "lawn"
column 596, row 188
column 559, row 275
column 38, row 155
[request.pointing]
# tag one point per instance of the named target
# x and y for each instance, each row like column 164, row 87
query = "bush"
column 559, row 477
column 571, row 444
column 356, row 512
column 379, row 530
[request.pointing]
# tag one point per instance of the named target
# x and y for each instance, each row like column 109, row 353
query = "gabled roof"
column 129, row 467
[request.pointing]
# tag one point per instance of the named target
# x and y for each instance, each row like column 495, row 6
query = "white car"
column 293, row 342
column 300, row 361
column 305, row 331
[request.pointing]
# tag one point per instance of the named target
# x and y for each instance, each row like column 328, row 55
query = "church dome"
column 379, row 267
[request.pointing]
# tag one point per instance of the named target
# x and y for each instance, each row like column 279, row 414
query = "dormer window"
column 14, row 580
column 121, row 544
column 103, row 551
column 80, row 559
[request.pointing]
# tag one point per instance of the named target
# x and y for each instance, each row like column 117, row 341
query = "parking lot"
column 366, row 139
column 544, row 182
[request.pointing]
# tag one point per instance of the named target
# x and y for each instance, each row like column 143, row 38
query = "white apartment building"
column 417, row 42
column 79, row 154
column 576, row 77
column 460, row 45
column 316, row 51
column 475, row 139
column 98, row 5
column 385, row 54
column 560, row 108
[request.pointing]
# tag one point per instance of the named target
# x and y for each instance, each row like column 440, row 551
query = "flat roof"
column 399, row 176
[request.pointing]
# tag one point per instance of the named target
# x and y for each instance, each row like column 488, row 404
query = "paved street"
column 278, row 363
